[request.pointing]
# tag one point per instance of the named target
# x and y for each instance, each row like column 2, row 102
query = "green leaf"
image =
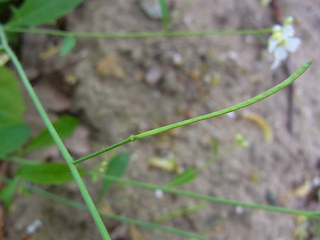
column 7, row 193
column 68, row 44
column 184, row 177
column 117, row 168
column 12, row 138
column 36, row 12
column 4, row 1
column 65, row 126
column 165, row 13
column 11, row 101
column 47, row 173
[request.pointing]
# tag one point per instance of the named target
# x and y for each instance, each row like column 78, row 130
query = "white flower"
column 282, row 41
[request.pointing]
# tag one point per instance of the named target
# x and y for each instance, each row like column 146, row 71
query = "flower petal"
column 292, row 44
column 280, row 53
column 272, row 43
column 276, row 28
column 287, row 31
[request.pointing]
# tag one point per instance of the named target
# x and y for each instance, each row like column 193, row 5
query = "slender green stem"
column 74, row 171
column 210, row 198
column 238, row 106
column 135, row 34
column 71, row 203
column 102, row 151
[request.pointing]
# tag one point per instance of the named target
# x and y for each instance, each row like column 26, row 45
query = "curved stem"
column 238, row 106
column 74, row 171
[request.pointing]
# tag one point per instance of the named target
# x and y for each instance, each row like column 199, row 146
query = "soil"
column 120, row 87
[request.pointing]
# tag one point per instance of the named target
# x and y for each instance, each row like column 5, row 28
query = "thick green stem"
column 74, row 171
column 136, row 34
column 238, row 106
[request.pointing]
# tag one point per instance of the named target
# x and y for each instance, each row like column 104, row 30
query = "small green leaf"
column 46, row 173
column 12, row 138
column 65, row 126
column 7, row 193
column 165, row 13
column 36, row 12
column 11, row 101
column 185, row 177
column 68, row 44
column 117, row 168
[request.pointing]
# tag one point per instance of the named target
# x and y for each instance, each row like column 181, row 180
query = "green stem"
column 102, row 151
column 238, row 106
column 116, row 217
column 74, row 171
column 210, row 198
column 136, row 34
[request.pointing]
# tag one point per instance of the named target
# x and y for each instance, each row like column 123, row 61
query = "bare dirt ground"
column 125, row 86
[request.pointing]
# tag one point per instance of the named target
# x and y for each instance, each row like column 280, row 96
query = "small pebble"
column 177, row 59
column 316, row 182
column 158, row 193
column 151, row 8
column 231, row 114
column 239, row 210
column 154, row 75
column 34, row 226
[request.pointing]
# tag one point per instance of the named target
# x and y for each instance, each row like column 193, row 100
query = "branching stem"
column 238, row 106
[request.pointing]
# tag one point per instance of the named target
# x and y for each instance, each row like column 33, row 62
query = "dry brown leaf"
column 135, row 233
column 169, row 165
column 261, row 123
column 109, row 67
column 49, row 52
column 303, row 189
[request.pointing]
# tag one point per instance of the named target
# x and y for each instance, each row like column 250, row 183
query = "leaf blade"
column 7, row 193
column 165, row 13
column 117, row 168
column 185, row 177
column 12, row 104
column 47, row 173
column 12, row 138
column 36, row 12
column 68, row 44
column 64, row 126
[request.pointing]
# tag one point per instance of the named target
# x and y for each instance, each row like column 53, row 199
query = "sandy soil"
column 125, row 86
